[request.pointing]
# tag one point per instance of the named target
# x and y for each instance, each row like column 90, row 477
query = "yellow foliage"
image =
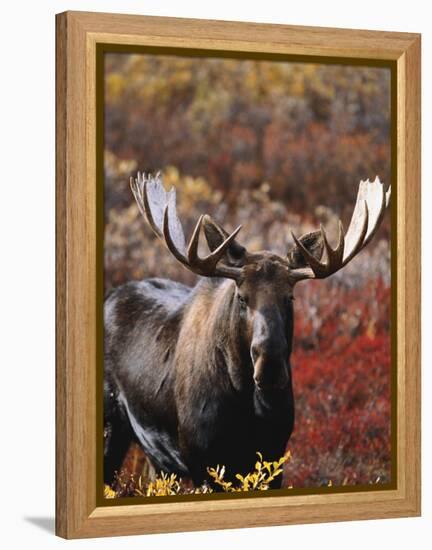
column 161, row 486
column 115, row 85
column 258, row 480
column 169, row 484
column 192, row 190
column 109, row 492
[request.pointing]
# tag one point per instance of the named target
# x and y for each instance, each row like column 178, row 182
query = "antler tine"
column 169, row 241
column 147, row 208
column 334, row 256
column 217, row 254
column 133, row 184
column 152, row 212
column 355, row 236
column 192, row 250
column 377, row 209
column 388, row 197
column 315, row 265
column 368, row 212
column 206, row 266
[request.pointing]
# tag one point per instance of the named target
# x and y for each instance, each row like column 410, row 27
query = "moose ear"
column 216, row 235
column 313, row 242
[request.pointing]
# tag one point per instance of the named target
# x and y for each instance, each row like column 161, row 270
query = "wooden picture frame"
column 79, row 271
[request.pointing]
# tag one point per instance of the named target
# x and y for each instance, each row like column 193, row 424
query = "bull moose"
column 201, row 376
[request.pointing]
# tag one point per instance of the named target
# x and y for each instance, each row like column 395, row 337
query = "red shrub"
column 341, row 375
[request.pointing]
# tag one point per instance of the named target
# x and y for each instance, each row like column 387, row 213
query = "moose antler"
column 159, row 208
column 369, row 209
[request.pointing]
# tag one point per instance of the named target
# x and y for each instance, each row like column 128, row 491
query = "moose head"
column 264, row 282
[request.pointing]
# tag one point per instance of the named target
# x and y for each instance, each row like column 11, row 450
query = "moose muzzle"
column 269, row 350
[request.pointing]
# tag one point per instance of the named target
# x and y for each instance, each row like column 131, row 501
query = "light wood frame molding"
column 77, row 512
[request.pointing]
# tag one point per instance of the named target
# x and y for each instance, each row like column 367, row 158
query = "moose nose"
column 275, row 383
column 271, row 371
column 268, row 350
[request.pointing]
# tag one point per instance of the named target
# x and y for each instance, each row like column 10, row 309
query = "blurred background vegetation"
column 273, row 146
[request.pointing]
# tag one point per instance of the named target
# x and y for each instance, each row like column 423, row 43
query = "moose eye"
column 242, row 301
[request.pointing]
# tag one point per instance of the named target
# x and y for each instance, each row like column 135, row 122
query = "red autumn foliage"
column 342, row 387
